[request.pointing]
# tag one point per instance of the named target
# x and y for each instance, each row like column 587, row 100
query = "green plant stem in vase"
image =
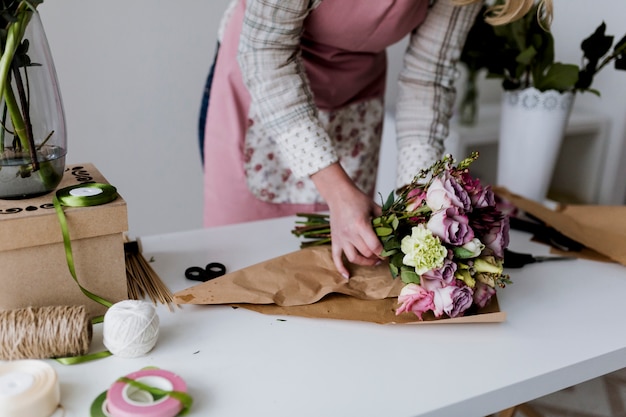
column 32, row 121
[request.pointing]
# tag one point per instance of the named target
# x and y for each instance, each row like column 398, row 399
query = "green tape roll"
column 98, row 406
column 85, row 195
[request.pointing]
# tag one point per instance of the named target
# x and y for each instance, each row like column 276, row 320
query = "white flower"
column 422, row 250
column 471, row 249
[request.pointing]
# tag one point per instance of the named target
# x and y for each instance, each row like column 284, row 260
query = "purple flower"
column 451, row 226
column 452, row 300
column 480, row 196
column 482, row 294
column 492, row 228
column 483, row 198
column 445, row 192
column 439, row 277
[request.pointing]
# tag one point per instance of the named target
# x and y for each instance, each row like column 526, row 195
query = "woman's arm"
column 272, row 68
column 271, row 63
column 426, row 94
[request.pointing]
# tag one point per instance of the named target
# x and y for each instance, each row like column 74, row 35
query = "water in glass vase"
column 18, row 180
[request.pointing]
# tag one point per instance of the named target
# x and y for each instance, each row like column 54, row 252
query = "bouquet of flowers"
column 444, row 238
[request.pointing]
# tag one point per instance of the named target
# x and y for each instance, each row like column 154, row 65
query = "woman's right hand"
column 351, row 213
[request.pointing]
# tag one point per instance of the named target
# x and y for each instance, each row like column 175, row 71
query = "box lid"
column 34, row 221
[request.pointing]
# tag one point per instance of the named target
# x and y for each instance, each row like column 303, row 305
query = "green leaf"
column 389, row 202
column 620, row 54
column 387, row 253
column 527, row 56
column 393, row 269
column 383, row 231
column 395, row 222
column 560, row 77
column 409, row 276
column 391, row 243
column 597, row 45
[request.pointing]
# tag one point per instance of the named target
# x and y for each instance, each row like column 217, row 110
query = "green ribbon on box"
column 82, row 195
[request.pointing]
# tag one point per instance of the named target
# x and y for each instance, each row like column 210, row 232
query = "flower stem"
column 15, row 33
column 25, row 126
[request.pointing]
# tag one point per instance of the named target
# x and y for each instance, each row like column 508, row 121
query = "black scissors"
column 519, row 260
column 212, row 271
column 544, row 233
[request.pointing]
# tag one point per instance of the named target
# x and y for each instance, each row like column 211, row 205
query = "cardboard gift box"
column 34, row 270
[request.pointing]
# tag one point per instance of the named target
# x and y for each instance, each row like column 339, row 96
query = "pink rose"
column 445, row 192
column 414, row 199
column 451, row 226
column 415, row 299
column 482, row 294
column 452, row 300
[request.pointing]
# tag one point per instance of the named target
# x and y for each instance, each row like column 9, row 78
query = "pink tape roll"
column 124, row 400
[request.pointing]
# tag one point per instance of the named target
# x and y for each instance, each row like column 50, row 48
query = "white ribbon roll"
column 28, row 388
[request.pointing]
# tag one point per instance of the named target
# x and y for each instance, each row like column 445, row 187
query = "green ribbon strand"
column 74, row 360
column 184, row 398
column 82, row 195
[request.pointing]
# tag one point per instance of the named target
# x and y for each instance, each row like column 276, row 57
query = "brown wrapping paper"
column 306, row 283
column 602, row 229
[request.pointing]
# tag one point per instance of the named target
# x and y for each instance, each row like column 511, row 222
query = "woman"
column 295, row 114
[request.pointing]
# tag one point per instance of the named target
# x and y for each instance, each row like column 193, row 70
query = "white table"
column 565, row 325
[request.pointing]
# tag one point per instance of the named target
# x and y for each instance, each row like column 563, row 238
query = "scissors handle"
column 215, row 269
column 212, row 270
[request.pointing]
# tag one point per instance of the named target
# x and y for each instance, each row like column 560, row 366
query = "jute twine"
column 44, row 332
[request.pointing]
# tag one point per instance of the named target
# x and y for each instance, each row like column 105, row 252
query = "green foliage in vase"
column 521, row 53
column 14, row 18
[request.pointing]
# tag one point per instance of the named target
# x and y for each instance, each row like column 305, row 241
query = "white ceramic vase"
column 532, row 126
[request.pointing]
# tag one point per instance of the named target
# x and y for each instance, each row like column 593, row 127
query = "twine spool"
column 44, row 332
column 131, row 328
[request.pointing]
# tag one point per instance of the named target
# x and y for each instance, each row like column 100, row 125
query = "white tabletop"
column 564, row 325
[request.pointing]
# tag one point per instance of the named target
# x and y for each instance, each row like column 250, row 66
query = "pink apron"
column 343, row 48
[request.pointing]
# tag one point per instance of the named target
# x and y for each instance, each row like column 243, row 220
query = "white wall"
column 132, row 74
column 574, row 21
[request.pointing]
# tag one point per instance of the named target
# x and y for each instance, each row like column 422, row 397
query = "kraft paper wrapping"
column 306, row 283
column 601, row 229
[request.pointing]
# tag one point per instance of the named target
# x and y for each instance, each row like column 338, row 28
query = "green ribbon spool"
column 82, row 195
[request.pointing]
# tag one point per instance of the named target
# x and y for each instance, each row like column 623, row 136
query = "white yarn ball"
column 130, row 328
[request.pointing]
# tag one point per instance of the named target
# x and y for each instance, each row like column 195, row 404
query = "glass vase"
column 33, row 140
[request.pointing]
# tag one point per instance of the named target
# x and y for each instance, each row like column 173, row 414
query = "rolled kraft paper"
column 28, row 388
column 44, row 332
column 125, row 400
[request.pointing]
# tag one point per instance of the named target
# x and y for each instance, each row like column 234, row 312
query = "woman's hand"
column 351, row 213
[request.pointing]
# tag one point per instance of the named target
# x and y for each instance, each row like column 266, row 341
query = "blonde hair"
column 511, row 10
